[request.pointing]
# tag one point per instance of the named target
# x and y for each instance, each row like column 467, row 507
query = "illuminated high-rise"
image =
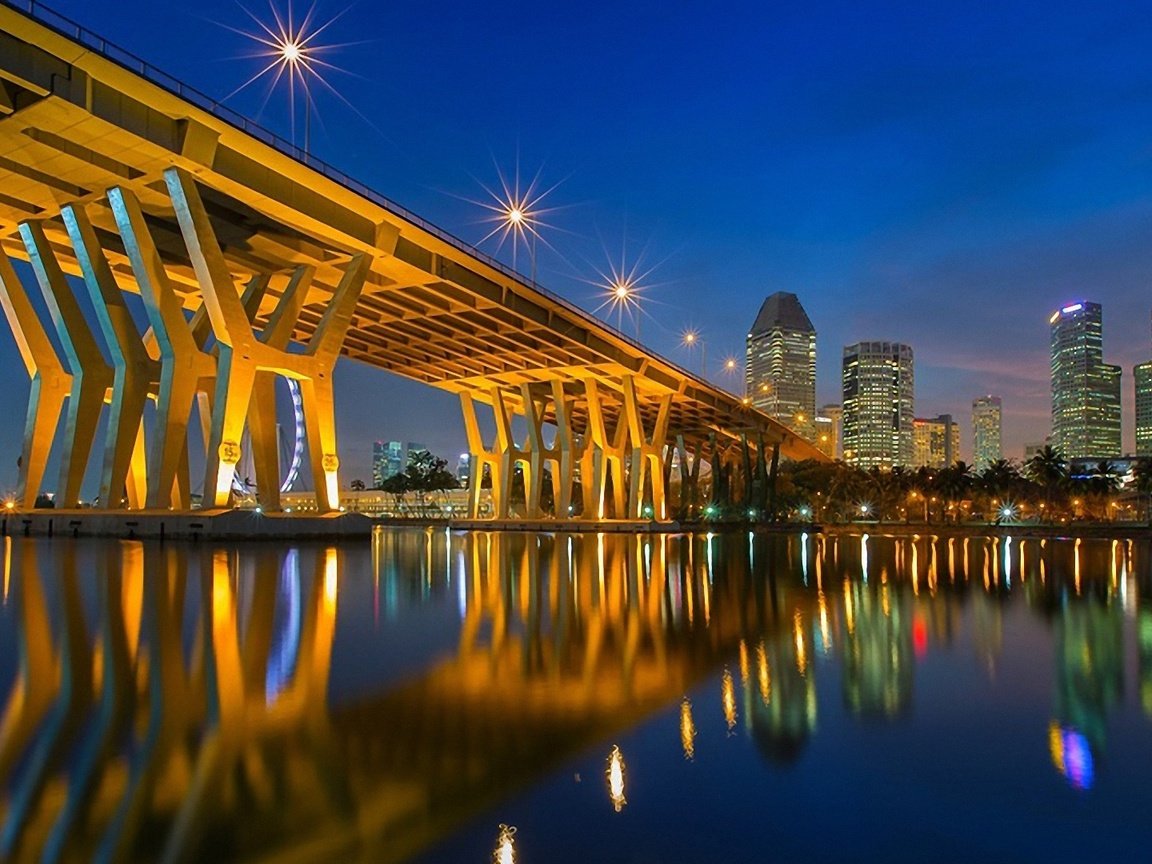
column 935, row 441
column 1085, row 390
column 1142, row 374
column 878, row 404
column 986, row 442
column 1142, row 378
column 827, row 437
column 780, row 367
column 387, row 460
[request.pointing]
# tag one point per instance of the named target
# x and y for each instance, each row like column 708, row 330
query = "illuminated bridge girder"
column 75, row 124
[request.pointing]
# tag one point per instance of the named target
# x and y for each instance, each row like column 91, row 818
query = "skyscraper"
column 1085, row 390
column 878, row 404
column 830, row 421
column 986, row 443
column 935, row 441
column 1142, row 378
column 387, row 460
column 780, row 367
column 1142, row 374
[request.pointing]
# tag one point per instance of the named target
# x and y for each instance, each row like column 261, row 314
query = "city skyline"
column 984, row 231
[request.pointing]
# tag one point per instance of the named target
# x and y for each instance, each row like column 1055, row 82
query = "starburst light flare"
column 517, row 213
column 293, row 53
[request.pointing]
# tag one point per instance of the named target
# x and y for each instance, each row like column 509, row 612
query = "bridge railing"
column 110, row 51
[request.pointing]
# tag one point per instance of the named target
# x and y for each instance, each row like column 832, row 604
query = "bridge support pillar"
column 689, row 502
column 647, row 453
column 186, row 370
column 134, row 371
column 91, row 376
column 51, row 384
column 243, row 354
column 603, row 459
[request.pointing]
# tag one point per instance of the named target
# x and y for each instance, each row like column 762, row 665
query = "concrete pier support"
column 91, row 375
column 243, row 355
column 51, row 383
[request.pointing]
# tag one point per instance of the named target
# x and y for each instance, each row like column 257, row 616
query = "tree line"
column 1041, row 489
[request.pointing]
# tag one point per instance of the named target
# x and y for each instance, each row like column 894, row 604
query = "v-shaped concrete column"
column 91, row 376
column 689, row 479
column 51, row 384
column 185, row 368
column 242, row 355
column 647, row 452
column 561, row 455
column 133, row 370
column 496, row 459
column 262, row 412
column 603, row 457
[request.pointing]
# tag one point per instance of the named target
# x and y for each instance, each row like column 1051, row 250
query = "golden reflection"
column 801, row 646
column 505, row 851
column 825, row 628
column 728, row 698
column 7, row 566
column 201, row 675
column 687, row 729
column 1056, row 746
column 763, row 674
column 615, row 774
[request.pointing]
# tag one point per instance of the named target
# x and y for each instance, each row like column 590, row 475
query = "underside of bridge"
column 254, row 261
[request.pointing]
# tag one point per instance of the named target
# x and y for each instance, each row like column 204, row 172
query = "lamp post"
column 690, row 339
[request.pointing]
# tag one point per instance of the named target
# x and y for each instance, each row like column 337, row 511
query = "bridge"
column 256, row 262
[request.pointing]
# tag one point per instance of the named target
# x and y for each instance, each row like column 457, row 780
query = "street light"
column 690, row 339
column 294, row 54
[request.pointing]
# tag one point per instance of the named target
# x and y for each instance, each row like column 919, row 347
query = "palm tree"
column 954, row 482
column 1049, row 468
column 1142, row 472
column 1104, row 480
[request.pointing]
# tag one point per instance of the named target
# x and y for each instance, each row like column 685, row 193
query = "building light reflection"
column 505, row 852
column 728, row 698
column 764, row 675
column 615, row 774
column 687, row 730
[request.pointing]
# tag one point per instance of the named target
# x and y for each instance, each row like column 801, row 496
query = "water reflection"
column 169, row 700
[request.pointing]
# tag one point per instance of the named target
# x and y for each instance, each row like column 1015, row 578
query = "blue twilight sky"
column 944, row 174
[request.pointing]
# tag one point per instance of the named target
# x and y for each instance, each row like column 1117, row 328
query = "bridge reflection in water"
column 171, row 700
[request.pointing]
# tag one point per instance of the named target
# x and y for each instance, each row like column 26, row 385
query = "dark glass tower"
column 780, row 368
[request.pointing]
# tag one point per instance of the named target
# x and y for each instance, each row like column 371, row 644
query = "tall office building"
column 1142, row 378
column 1085, row 390
column 1142, row 374
column 827, row 431
column 387, row 460
column 935, row 441
column 986, row 444
column 780, row 367
column 878, row 404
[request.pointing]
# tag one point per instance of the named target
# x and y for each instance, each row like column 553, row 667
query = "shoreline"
column 200, row 525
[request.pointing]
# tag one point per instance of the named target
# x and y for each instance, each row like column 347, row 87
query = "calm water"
column 769, row 699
